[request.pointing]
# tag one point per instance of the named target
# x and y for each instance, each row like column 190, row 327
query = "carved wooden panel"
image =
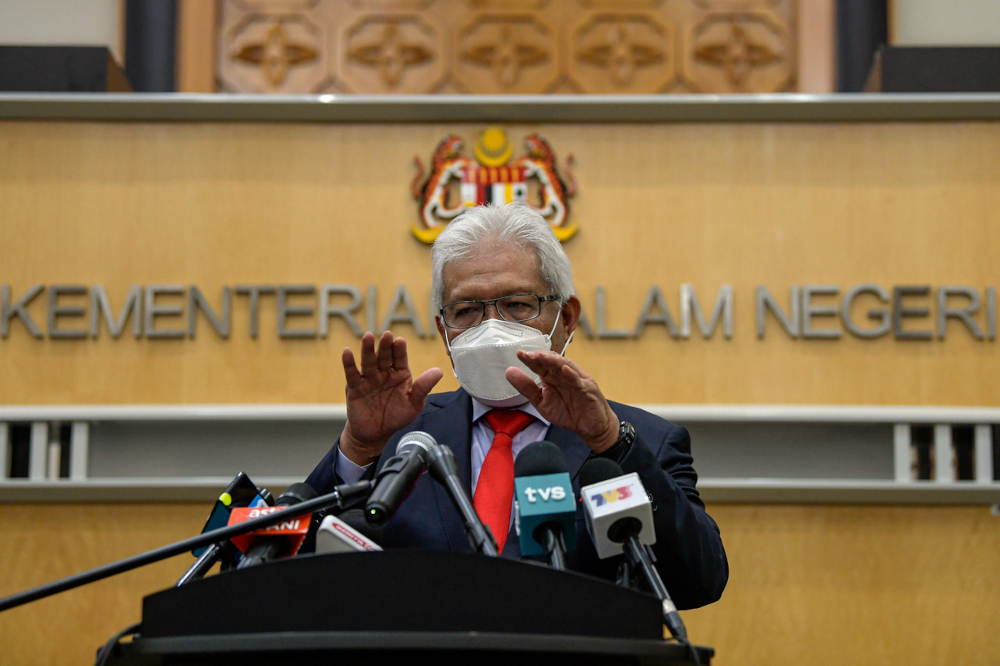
column 616, row 53
column 507, row 46
column 391, row 52
column 499, row 52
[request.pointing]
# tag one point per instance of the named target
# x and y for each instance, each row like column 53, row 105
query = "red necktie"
column 495, row 490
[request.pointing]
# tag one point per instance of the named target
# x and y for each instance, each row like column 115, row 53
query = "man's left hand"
column 568, row 397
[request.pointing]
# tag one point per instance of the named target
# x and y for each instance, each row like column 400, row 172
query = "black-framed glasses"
column 515, row 308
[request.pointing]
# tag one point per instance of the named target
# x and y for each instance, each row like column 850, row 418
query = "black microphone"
column 545, row 508
column 355, row 519
column 340, row 497
column 620, row 519
column 241, row 492
column 269, row 548
column 443, row 469
column 396, row 478
column 348, row 533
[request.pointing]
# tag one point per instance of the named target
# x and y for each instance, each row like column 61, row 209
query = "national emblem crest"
column 457, row 182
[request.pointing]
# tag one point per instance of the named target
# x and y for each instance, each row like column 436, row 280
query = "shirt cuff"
column 347, row 470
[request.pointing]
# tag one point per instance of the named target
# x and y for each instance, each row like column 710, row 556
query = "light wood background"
column 819, row 585
column 500, row 46
column 800, row 37
column 216, row 204
column 708, row 204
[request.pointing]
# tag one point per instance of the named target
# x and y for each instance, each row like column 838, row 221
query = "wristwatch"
column 617, row 451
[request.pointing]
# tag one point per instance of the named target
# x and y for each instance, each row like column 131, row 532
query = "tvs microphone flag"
column 540, row 499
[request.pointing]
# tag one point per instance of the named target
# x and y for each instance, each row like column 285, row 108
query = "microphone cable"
column 104, row 653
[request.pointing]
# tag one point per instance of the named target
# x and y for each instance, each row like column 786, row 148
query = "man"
column 507, row 310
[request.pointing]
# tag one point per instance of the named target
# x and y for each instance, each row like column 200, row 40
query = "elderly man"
column 503, row 288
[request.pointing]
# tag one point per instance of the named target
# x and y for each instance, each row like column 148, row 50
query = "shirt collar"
column 479, row 409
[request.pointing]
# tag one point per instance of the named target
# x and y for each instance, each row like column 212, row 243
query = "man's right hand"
column 382, row 396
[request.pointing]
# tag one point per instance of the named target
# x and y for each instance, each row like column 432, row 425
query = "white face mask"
column 482, row 354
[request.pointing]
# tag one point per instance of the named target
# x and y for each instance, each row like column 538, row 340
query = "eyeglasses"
column 515, row 308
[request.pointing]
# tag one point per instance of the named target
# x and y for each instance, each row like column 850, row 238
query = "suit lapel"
column 572, row 446
column 576, row 454
column 451, row 426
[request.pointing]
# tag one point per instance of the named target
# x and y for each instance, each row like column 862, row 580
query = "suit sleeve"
column 689, row 552
column 324, row 476
column 323, row 479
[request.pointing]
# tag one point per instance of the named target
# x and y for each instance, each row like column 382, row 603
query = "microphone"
column 544, row 504
column 443, row 469
column 241, row 492
column 396, row 478
column 281, row 540
column 620, row 519
column 348, row 533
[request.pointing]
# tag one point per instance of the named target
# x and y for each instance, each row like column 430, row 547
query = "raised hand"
column 568, row 397
column 382, row 395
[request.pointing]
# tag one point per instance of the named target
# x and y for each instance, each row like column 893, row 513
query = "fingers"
column 351, row 371
column 400, row 361
column 524, row 384
column 550, row 367
column 538, row 360
column 390, row 355
column 368, row 353
column 572, row 378
column 558, row 374
column 383, row 357
column 423, row 385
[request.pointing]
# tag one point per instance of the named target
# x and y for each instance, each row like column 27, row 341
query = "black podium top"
column 398, row 605
column 402, row 590
column 440, row 649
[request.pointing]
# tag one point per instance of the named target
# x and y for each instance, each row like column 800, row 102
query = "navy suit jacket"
column 689, row 552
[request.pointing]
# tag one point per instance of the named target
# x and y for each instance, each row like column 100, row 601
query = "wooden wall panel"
column 197, row 39
column 854, row 585
column 817, row 39
column 504, row 47
column 216, row 204
column 55, row 541
column 817, row 585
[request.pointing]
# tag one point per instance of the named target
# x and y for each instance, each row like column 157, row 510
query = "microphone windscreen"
column 355, row 519
column 421, row 439
column 296, row 494
column 544, row 498
column 596, row 470
column 540, row 458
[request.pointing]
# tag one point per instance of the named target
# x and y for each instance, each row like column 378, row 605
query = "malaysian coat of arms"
column 456, row 182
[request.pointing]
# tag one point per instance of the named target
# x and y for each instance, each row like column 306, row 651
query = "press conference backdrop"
column 772, row 221
column 170, row 207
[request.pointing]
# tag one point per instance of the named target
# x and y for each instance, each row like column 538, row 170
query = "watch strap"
column 617, row 451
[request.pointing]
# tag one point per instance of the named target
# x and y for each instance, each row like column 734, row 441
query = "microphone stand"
column 443, row 468
column 555, row 549
column 201, row 566
column 341, row 497
column 640, row 558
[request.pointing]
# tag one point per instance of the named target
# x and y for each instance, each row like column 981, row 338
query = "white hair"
column 496, row 226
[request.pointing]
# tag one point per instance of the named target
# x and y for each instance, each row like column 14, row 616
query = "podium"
column 398, row 607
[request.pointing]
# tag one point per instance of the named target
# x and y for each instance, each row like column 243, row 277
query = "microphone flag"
column 240, row 492
column 540, row 499
column 608, row 502
column 292, row 531
column 337, row 536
